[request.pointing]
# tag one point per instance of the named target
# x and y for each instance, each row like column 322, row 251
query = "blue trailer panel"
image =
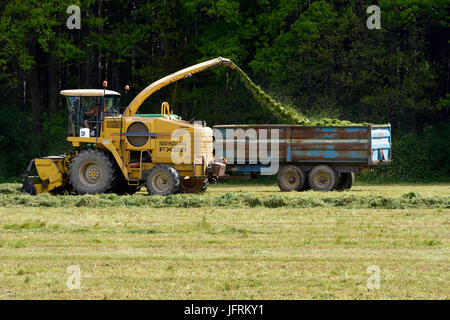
column 381, row 144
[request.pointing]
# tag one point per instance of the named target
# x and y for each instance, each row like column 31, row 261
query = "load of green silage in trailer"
column 285, row 113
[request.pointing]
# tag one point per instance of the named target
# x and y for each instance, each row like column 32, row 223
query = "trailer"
column 322, row 158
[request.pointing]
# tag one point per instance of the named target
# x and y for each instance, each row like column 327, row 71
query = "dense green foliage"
column 318, row 58
column 417, row 157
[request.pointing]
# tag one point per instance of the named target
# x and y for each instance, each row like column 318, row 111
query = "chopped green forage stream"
column 286, row 113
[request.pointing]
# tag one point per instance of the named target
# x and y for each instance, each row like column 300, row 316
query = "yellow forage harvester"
column 121, row 151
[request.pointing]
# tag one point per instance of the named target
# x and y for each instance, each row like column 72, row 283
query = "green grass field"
column 277, row 248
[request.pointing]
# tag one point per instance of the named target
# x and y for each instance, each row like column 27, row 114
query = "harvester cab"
column 87, row 108
column 114, row 152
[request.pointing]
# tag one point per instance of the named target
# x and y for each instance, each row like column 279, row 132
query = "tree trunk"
column 90, row 73
column 33, row 80
column 52, row 85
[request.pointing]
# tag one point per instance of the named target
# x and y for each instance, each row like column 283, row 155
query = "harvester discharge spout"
column 184, row 73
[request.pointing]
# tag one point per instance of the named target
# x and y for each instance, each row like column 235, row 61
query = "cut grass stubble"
column 223, row 253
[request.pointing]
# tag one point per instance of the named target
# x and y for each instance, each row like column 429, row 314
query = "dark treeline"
column 317, row 56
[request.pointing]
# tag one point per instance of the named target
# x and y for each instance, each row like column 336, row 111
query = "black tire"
column 307, row 186
column 121, row 185
column 290, row 178
column 92, row 171
column 163, row 180
column 322, row 178
column 193, row 185
column 123, row 188
column 28, row 188
column 345, row 181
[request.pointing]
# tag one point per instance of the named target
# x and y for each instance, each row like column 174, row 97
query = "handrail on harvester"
column 165, row 109
column 155, row 86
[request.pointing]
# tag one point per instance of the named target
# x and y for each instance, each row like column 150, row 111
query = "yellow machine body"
column 157, row 140
column 52, row 173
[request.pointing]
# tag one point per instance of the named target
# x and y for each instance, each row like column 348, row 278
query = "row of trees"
column 318, row 56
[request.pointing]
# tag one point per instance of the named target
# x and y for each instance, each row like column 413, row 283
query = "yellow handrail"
column 165, row 109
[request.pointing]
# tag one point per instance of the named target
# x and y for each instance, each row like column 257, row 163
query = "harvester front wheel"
column 193, row 185
column 163, row 180
column 92, row 171
column 291, row 178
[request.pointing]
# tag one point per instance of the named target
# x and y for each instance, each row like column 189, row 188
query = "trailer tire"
column 193, row 185
column 307, row 186
column 322, row 178
column 345, row 181
column 163, row 180
column 92, row 171
column 290, row 178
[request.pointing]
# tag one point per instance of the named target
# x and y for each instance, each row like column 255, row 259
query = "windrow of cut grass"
column 233, row 200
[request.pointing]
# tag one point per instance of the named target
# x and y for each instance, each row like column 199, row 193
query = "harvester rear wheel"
column 290, row 178
column 345, row 181
column 92, row 171
column 193, row 185
column 163, row 180
column 322, row 178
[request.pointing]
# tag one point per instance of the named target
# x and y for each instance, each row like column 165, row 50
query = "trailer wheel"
column 291, row 178
column 92, row 171
column 28, row 188
column 345, row 181
column 322, row 178
column 193, row 185
column 163, row 180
